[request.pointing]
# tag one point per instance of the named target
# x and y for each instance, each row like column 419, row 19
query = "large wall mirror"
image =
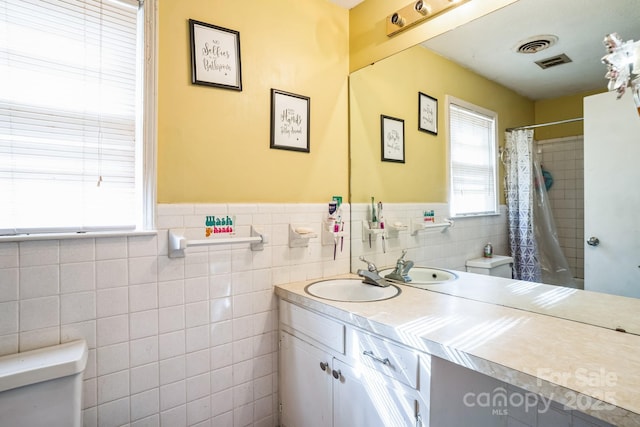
column 479, row 62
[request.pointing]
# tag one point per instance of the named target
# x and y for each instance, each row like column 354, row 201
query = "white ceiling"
column 347, row 4
column 486, row 45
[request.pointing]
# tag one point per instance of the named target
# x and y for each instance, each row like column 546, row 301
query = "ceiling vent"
column 553, row 61
column 535, row 44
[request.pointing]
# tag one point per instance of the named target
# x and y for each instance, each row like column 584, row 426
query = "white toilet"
column 497, row 265
column 43, row 387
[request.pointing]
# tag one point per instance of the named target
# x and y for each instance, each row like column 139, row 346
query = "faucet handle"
column 370, row 266
column 404, row 252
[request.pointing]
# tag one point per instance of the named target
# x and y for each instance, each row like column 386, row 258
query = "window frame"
column 146, row 134
column 451, row 100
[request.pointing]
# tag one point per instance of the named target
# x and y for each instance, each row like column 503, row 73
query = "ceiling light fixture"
column 418, row 12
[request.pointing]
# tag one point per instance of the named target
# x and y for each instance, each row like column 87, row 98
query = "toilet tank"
column 497, row 265
column 43, row 387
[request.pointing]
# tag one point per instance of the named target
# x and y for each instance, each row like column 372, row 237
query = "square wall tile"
column 112, row 273
column 172, row 395
column 142, row 246
column 112, row 358
column 8, row 318
column 143, row 324
column 145, row 404
column 38, row 313
column 77, row 250
column 76, row 277
column 8, row 344
column 111, row 248
column 172, row 370
column 114, row 413
column 39, row 338
column 171, row 293
column 82, row 330
column 9, row 255
column 42, row 252
column 8, row 284
column 143, row 297
column 112, row 301
column 171, row 344
column 144, row 377
column 113, row 330
column 143, row 270
column 39, row 281
column 77, row 307
column 144, row 351
column 113, row 386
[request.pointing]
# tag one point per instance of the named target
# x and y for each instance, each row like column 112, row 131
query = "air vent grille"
column 553, row 61
column 535, row 44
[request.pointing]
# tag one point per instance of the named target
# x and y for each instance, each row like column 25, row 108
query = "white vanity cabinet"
column 333, row 375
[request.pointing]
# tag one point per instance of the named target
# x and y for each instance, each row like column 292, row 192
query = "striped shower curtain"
column 519, row 175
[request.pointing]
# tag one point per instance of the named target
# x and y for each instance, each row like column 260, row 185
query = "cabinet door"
column 363, row 397
column 305, row 388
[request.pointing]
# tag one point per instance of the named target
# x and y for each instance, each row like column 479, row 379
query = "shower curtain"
column 535, row 247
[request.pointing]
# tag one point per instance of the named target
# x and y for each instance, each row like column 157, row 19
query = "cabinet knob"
column 337, row 374
column 324, row 366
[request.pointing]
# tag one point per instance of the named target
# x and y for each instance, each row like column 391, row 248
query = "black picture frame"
column 427, row 113
column 392, row 139
column 215, row 56
column 290, row 117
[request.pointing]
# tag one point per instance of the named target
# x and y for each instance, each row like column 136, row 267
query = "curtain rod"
column 546, row 124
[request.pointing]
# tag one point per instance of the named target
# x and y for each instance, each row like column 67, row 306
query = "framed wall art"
column 427, row 113
column 290, row 121
column 392, row 139
column 215, row 56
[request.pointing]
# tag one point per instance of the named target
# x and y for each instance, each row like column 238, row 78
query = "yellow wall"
column 213, row 144
column 391, row 87
column 557, row 109
column 368, row 40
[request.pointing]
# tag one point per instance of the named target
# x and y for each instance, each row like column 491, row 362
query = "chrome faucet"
column 371, row 276
column 401, row 272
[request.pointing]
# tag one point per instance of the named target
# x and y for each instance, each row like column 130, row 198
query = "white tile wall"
column 564, row 159
column 433, row 247
column 173, row 342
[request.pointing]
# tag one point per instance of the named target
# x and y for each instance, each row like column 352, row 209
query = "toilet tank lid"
column 43, row 364
column 494, row 261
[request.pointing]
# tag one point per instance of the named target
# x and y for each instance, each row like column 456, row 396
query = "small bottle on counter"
column 488, row 250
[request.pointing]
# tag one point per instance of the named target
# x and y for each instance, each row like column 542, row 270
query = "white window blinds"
column 68, row 109
column 473, row 175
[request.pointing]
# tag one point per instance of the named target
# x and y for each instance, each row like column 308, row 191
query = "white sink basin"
column 350, row 290
column 425, row 275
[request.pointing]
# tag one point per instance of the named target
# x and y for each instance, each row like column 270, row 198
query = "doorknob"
column 593, row 241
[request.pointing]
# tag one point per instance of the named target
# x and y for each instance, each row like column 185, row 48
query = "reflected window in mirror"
column 473, row 169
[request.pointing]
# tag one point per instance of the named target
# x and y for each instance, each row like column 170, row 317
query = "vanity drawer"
column 392, row 360
column 319, row 328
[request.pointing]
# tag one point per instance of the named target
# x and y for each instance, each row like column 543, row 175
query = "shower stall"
column 533, row 235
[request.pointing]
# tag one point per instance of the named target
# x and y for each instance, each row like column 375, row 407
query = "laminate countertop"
column 591, row 368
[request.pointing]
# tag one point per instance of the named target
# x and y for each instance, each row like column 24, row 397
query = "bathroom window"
column 72, row 140
column 473, row 172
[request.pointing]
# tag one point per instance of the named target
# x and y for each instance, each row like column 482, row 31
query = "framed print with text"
column 427, row 113
column 392, row 139
column 290, row 121
column 215, row 56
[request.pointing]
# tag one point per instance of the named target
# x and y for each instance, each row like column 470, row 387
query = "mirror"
column 390, row 87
